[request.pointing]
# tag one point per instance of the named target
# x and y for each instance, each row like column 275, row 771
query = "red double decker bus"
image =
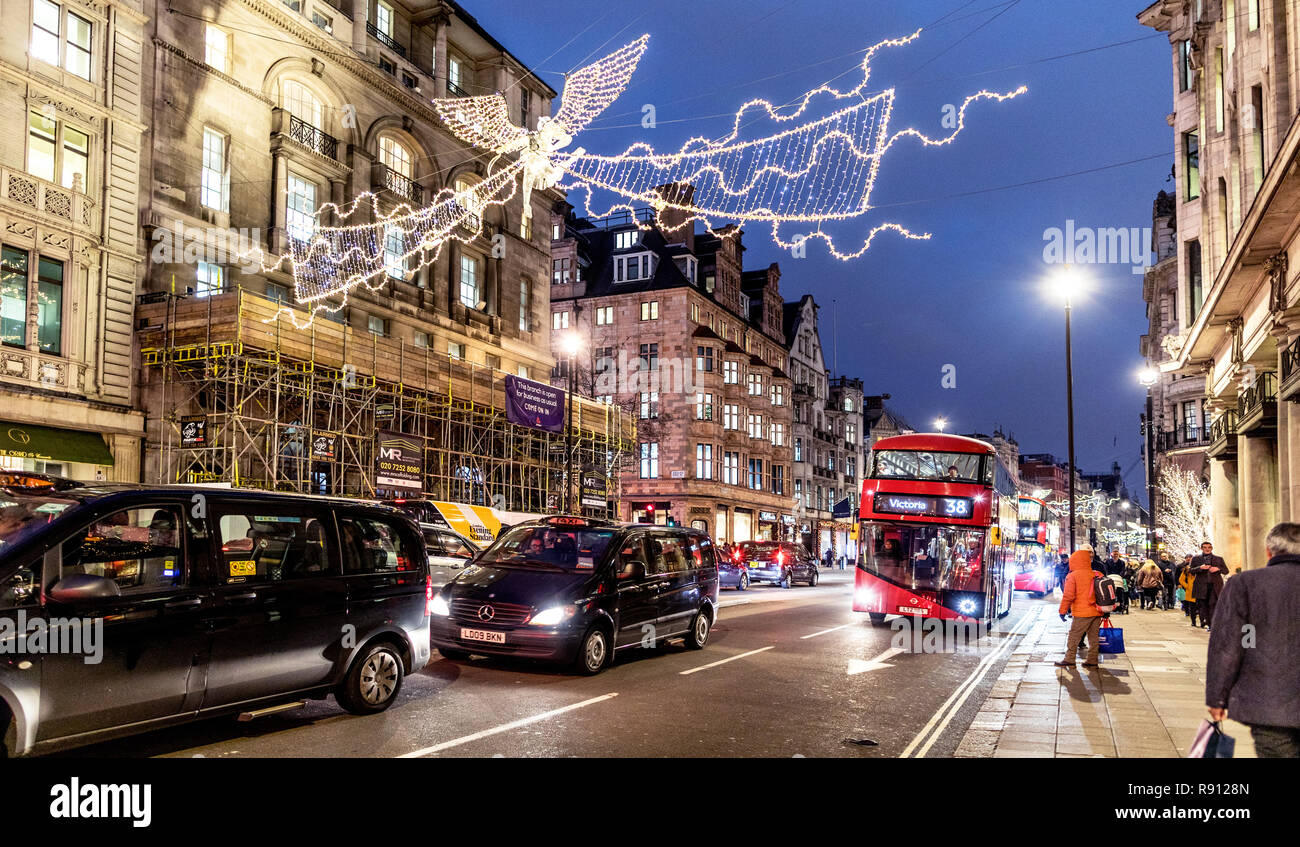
column 938, row 530
column 1037, row 545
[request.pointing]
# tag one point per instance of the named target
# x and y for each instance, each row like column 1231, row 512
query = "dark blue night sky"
column 972, row 296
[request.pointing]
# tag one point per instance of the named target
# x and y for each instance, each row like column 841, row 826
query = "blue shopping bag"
column 1111, row 638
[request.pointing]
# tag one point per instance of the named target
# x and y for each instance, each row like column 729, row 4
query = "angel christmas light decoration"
column 816, row 171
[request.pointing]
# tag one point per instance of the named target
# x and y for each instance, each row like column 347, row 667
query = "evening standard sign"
column 534, row 404
column 399, row 463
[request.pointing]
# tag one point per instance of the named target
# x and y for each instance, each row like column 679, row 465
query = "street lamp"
column 570, row 344
column 1148, row 377
column 1065, row 285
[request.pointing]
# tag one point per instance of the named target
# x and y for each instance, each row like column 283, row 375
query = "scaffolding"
column 290, row 409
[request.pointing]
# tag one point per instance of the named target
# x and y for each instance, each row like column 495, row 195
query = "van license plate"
column 483, row 635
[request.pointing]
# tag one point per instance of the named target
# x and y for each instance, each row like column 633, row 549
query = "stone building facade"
column 1236, row 94
column 672, row 328
column 71, row 82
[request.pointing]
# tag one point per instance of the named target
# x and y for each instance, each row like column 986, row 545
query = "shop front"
column 51, row 450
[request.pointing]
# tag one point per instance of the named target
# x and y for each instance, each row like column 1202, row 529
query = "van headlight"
column 553, row 616
column 438, row 606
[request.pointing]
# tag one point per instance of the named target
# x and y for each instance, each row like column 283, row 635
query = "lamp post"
column 1065, row 284
column 1148, row 377
column 570, row 344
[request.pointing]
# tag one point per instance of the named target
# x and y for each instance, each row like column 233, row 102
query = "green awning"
column 47, row 443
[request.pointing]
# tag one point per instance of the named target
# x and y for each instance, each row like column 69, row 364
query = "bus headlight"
column 967, row 606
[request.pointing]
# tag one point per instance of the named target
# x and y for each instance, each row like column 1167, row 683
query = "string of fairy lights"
column 814, row 172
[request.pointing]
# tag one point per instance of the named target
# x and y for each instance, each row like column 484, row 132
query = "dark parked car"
column 733, row 570
column 778, row 562
column 571, row 589
column 190, row 602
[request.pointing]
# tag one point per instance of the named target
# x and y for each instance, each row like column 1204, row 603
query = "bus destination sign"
column 923, row 505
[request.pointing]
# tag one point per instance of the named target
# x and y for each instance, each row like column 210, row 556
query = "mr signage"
column 594, row 490
column 534, row 404
column 399, row 462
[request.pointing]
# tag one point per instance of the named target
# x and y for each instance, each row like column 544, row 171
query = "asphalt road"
column 787, row 672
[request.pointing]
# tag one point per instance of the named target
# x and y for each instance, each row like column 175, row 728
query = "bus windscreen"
column 925, row 556
column 929, row 465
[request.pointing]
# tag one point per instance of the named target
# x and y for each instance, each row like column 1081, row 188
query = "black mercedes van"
column 125, row 608
column 572, row 589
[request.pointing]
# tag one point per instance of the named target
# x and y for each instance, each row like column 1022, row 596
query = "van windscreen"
column 23, row 514
column 549, row 546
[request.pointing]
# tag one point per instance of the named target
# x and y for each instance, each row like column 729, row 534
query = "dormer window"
column 626, row 240
column 688, row 266
column 635, row 267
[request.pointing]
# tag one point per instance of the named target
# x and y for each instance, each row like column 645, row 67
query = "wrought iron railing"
column 1290, row 361
column 385, row 39
column 314, row 138
column 1224, row 426
column 455, row 90
column 402, row 185
column 1182, row 436
column 1263, row 390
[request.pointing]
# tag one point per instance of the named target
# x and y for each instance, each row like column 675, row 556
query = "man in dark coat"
column 1062, row 570
column 1166, row 566
column 1252, row 669
column 1210, row 570
column 1115, row 565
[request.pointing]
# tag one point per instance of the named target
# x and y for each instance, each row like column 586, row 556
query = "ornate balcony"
column 455, row 90
column 385, row 39
column 312, row 138
column 1181, row 438
column 400, row 185
column 1289, row 388
column 1223, row 436
column 1259, row 406
column 74, row 208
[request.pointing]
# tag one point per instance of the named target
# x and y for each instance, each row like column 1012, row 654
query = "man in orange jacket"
column 1078, row 600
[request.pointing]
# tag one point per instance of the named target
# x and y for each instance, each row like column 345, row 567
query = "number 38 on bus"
column 938, row 530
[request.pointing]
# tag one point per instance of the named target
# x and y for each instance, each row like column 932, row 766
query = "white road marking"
column 824, row 631
column 466, row 739
column 939, row 720
column 734, row 603
column 724, row 661
column 857, row 666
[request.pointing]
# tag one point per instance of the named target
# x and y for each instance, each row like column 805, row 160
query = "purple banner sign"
column 534, row 404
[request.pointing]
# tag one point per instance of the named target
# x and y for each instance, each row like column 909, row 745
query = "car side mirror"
column 82, row 588
column 633, row 570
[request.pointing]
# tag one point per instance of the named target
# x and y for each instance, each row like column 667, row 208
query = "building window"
column 798, row 449
column 624, row 240
column 214, row 183
column 778, row 395
column 299, row 101
column 49, row 306
column 1184, row 65
column 559, row 320
column 649, row 355
column 560, row 270
column 469, row 282
column 525, row 106
column 630, row 268
column 703, row 407
column 395, row 251
column 1191, row 416
column 455, row 76
column 650, row 460
column 649, row 405
column 756, row 474
column 650, row 311
column 604, row 315
column 46, row 42
column 322, row 22
column 455, row 350
column 731, row 372
column 395, row 156
column 778, row 434
column 384, row 18
column 208, row 279
column 1195, row 292
column 52, row 161
column 704, row 461
column 1252, row 15
column 299, row 217
column 851, row 433
column 730, row 416
column 377, row 325
column 1192, row 164
column 756, row 385
column 778, row 479
column 731, row 468
column 704, row 359
column 755, row 426
column 13, row 296
column 695, row 313
column 1257, row 137
column 216, row 48
column 525, row 306
column 1218, row 89
column 555, row 232
column 420, row 339
column 523, row 371
column 277, row 293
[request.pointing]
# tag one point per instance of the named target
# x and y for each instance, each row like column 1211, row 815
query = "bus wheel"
column 877, row 618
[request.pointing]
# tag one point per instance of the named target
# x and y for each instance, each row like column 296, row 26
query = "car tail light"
column 428, row 595
column 780, row 557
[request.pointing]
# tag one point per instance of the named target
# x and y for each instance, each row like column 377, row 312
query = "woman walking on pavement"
column 1149, row 579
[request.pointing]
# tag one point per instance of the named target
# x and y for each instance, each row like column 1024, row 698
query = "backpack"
column 1104, row 593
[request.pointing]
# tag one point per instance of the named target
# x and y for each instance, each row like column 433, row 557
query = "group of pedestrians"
column 1253, row 619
